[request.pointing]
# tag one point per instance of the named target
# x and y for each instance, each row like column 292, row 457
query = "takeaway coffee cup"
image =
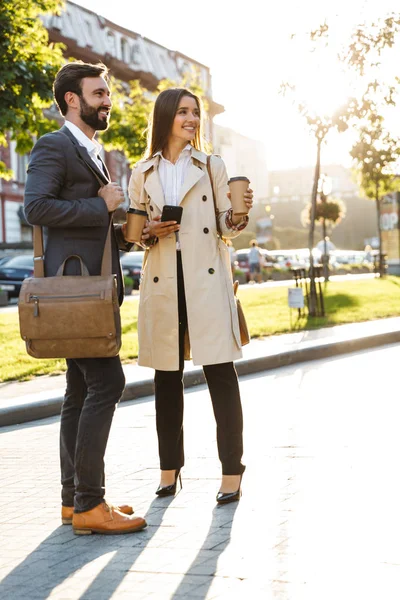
column 135, row 220
column 237, row 187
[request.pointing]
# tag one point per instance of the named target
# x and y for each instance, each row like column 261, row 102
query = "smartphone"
column 171, row 212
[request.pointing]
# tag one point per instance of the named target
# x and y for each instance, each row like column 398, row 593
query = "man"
column 62, row 194
column 255, row 259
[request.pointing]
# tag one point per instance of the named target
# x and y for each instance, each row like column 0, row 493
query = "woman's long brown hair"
column 162, row 118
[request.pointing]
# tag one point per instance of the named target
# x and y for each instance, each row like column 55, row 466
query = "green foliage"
column 375, row 155
column 132, row 106
column 369, row 40
column 27, row 69
column 333, row 211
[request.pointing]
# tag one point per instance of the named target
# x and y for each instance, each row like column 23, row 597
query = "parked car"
column 242, row 259
column 4, row 258
column 132, row 266
column 14, row 271
column 289, row 259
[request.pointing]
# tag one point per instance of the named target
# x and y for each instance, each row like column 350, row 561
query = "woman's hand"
column 248, row 198
column 158, row 228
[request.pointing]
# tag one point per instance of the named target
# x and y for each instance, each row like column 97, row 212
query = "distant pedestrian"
column 186, row 294
column 255, row 262
column 62, row 194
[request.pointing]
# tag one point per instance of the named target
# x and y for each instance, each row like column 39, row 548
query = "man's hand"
column 112, row 195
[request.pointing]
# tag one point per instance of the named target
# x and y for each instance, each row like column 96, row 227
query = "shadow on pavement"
column 63, row 553
column 206, row 567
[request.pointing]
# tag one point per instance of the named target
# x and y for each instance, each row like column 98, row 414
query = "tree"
column 28, row 65
column 321, row 126
column 375, row 156
column 327, row 212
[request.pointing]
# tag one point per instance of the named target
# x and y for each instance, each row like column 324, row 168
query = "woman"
column 186, row 295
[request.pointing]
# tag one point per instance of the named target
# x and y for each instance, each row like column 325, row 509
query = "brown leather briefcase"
column 70, row 316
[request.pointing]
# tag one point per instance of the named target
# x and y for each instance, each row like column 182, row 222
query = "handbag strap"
column 216, row 211
column 38, row 246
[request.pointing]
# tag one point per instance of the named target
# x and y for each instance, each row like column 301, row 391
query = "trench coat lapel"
column 193, row 175
column 154, row 190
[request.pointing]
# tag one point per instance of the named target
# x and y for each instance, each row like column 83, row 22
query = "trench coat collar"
column 154, row 160
column 153, row 185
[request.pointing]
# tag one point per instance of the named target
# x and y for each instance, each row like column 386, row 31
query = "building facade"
column 242, row 156
column 129, row 56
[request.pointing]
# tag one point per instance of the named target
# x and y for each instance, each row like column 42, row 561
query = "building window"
column 135, row 54
column 22, row 165
column 111, row 43
column 124, row 50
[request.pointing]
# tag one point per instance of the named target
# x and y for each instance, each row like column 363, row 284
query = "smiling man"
column 69, row 192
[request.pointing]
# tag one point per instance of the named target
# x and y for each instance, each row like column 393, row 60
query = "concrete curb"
column 49, row 407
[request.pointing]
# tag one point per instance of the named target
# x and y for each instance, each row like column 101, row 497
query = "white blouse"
column 172, row 175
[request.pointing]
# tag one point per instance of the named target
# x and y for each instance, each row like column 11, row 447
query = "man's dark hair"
column 69, row 79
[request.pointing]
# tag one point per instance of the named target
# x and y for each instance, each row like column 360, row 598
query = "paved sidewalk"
column 318, row 520
column 42, row 397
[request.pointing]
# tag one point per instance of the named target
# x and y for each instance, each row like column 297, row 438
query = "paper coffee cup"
column 135, row 220
column 237, row 187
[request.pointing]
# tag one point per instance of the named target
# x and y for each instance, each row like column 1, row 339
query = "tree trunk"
column 312, row 302
column 381, row 262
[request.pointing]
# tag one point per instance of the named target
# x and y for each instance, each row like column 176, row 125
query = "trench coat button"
column 206, row 230
column 211, row 271
column 155, row 279
column 204, row 198
column 151, row 208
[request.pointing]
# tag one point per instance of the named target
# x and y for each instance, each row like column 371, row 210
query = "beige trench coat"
column 211, row 310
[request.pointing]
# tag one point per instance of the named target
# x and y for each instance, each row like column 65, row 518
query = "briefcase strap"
column 38, row 252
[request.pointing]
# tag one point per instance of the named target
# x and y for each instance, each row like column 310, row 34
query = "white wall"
column 13, row 223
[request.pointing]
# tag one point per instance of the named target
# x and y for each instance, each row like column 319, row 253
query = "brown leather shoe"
column 68, row 511
column 107, row 520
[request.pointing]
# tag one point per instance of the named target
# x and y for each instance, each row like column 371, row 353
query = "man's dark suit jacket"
column 61, row 194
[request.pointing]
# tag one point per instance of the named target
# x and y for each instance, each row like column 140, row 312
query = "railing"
column 302, row 280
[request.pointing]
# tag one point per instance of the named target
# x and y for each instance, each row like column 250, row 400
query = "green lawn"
column 266, row 310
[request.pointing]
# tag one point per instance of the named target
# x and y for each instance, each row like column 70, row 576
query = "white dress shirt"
column 92, row 146
column 172, row 175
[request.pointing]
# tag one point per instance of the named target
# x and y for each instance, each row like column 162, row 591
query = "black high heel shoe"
column 226, row 498
column 170, row 490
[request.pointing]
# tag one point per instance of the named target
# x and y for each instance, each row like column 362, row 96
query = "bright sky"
column 247, row 46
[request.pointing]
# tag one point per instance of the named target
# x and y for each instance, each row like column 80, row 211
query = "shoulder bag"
column 70, row 316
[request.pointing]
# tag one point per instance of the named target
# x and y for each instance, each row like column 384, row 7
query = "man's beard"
column 90, row 116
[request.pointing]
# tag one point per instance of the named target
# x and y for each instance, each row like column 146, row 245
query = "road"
column 319, row 518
